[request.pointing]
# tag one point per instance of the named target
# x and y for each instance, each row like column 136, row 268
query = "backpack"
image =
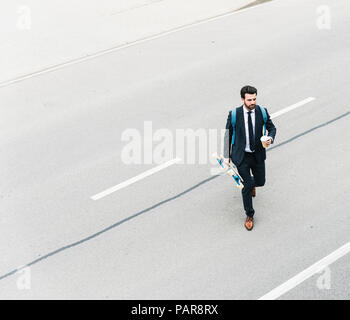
column 233, row 121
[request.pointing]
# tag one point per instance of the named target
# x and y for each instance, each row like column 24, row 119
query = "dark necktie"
column 251, row 133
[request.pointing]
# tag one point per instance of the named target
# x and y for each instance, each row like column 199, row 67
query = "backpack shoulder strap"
column 264, row 114
column 233, row 122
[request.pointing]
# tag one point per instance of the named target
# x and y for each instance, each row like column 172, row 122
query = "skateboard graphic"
column 229, row 169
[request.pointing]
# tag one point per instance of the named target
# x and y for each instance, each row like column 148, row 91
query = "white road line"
column 134, row 179
column 292, row 107
column 171, row 162
column 120, row 47
column 307, row 273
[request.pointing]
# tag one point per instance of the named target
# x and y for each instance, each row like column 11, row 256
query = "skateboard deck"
column 229, row 169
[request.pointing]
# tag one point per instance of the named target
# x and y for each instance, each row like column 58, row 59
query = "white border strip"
column 307, row 273
column 134, row 179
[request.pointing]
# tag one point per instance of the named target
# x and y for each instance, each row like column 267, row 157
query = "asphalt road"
column 179, row 233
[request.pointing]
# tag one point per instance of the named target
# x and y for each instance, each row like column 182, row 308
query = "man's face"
column 250, row 101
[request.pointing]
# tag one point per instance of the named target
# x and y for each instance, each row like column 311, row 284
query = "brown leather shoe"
column 249, row 224
column 253, row 192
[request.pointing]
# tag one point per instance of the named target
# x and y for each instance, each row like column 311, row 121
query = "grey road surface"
column 179, row 233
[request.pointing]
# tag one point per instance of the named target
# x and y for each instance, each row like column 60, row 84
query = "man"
column 247, row 152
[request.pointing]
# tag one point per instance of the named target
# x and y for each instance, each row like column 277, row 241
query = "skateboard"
column 230, row 170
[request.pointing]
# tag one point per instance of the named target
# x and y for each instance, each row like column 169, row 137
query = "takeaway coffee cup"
column 263, row 140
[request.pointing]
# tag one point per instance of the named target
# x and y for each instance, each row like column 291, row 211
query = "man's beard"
column 251, row 107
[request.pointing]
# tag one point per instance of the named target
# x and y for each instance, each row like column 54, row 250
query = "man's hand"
column 268, row 142
column 227, row 161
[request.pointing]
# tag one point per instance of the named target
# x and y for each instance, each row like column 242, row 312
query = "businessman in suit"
column 247, row 152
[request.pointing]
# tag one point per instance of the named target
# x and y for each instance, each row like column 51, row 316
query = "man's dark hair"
column 249, row 90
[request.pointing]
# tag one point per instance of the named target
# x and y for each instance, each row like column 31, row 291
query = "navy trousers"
column 253, row 174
